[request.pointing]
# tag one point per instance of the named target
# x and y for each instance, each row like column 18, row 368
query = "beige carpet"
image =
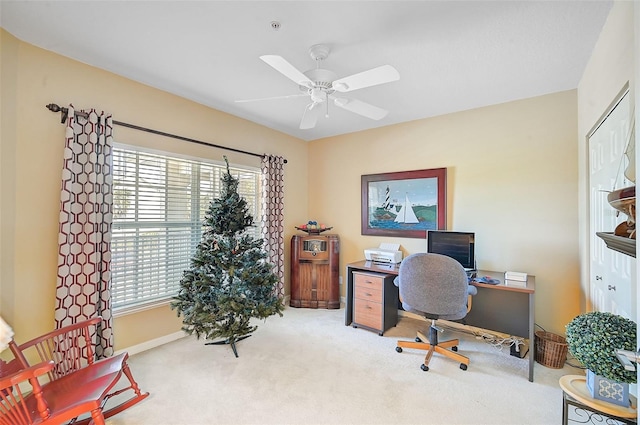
column 308, row 368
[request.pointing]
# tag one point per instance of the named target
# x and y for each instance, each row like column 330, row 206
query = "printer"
column 385, row 253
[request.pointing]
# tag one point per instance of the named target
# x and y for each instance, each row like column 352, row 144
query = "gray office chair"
column 437, row 287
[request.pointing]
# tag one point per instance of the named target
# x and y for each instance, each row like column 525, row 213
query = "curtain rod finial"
column 53, row 107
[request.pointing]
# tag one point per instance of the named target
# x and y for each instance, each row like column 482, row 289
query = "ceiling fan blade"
column 380, row 75
column 361, row 108
column 310, row 116
column 285, row 68
column 271, row 98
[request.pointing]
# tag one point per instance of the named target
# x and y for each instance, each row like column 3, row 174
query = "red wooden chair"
column 59, row 403
column 76, row 383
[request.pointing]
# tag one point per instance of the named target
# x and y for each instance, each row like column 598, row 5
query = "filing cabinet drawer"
column 368, row 280
column 368, row 292
column 367, row 313
column 368, row 286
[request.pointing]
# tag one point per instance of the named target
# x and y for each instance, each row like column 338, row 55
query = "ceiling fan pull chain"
column 327, row 102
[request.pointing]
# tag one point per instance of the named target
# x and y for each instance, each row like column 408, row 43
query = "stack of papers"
column 515, row 279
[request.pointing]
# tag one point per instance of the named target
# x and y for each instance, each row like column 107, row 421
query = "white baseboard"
column 147, row 345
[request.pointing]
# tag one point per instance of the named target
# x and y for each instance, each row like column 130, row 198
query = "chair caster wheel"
column 424, row 367
column 463, row 366
column 399, row 349
column 454, row 348
column 418, row 339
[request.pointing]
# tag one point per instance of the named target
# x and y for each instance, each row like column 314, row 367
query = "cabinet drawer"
column 365, row 279
column 368, row 287
column 368, row 292
column 367, row 313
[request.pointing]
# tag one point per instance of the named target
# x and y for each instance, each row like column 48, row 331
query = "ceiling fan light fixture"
column 317, row 95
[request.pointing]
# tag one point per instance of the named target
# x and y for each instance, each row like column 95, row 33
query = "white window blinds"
column 159, row 204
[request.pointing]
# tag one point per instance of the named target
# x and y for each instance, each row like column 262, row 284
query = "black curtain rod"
column 64, row 112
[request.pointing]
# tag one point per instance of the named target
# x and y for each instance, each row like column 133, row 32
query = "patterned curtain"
column 273, row 214
column 84, row 262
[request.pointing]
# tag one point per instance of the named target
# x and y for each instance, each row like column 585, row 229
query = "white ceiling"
column 451, row 55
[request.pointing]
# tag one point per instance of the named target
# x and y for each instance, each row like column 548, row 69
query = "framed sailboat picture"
column 404, row 204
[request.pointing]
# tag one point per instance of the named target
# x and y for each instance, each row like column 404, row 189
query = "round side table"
column 576, row 393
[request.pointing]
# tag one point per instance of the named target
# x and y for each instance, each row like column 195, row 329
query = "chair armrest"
column 9, row 368
column 24, row 375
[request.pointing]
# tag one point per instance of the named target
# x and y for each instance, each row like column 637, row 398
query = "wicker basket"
column 551, row 349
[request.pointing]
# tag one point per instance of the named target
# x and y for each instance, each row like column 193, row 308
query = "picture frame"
column 404, row 204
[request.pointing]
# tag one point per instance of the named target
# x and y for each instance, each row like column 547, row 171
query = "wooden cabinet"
column 375, row 299
column 314, row 271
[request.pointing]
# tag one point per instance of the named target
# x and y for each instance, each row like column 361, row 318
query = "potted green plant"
column 593, row 339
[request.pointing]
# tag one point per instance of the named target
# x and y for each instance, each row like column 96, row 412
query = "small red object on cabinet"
column 315, row 271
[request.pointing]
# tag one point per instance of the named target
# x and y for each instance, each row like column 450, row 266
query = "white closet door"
column 612, row 274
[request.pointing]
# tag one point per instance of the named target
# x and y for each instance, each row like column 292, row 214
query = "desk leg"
column 565, row 408
column 532, row 340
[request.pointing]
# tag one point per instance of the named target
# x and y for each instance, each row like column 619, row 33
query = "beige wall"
column 610, row 67
column 31, row 155
column 511, row 179
column 8, row 75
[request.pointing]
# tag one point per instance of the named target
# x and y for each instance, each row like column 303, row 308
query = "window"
column 159, row 204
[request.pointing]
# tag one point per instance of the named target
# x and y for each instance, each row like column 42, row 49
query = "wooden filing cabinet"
column 375, row 299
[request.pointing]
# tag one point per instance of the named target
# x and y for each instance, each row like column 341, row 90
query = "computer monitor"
column 457, row 245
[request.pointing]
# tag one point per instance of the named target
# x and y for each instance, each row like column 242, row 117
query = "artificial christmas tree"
column 229, row 281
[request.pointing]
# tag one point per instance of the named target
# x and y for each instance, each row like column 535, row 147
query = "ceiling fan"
column 322, row 85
